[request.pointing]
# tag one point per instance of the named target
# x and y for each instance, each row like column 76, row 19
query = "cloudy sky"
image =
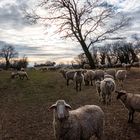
column 40, row 44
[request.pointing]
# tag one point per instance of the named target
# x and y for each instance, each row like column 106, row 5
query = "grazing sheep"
column 120, row 76
column 70, row 75
column 78, row 78
column 22, row 74
column 14, row 74
column 79, row 124
column 107, row 87
column 99, row 75
column 131, row 102
column 89, row 76
column 111, row 72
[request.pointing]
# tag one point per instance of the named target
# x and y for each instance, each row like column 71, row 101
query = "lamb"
column 131, row 102
column 99, row 75
column 22, row 74
column 111, row 72
column 120, row 76
column 78, row 78
column 105, row 88
column 89, row 76
column 79, row 124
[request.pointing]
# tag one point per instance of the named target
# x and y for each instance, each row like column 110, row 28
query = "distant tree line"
column 112, row 54
column 9, row 58
column 47, row 63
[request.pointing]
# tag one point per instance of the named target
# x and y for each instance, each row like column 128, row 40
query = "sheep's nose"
column 61, row 116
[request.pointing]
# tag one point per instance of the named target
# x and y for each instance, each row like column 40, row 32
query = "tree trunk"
column 7, row 64
column 88, row 54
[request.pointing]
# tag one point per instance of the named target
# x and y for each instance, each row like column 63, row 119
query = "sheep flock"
column 88, row 120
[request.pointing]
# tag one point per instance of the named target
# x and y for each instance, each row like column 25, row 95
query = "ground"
column 24, row 106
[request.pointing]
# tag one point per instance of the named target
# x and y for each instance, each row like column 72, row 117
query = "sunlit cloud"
column 40, row 43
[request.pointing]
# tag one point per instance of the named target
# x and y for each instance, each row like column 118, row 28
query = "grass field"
column 24, row 106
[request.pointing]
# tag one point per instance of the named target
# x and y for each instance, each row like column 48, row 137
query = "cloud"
column 39, row 43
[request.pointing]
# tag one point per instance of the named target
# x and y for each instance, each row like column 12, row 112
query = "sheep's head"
column 62, row 109
column 121, row 94
column 98, row 83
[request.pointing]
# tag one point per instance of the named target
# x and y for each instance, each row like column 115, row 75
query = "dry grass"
column 24, row 106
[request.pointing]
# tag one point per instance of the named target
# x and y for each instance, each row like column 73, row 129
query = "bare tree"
column 87, row 21
column 8, row 52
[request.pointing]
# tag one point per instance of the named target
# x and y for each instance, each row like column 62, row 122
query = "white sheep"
column 86, row 66
column 99, row 75
column 131, row 102
column 89, row 76
column 70, row 75
column 22, row 69
column 63, row 72
column 111, row 72
column 79, row 124
column 22, row 74
column 98, row 89
column 105, row 88
column 126, row 66
column 121, row 76
column 14, row 74
column 79, row 79
column 108, row 76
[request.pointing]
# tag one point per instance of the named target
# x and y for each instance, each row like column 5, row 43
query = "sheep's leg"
column 76, row 86
column 104, row 98
column 80, row 86
column 131, row 116
column 67, row 82
column 91, row 82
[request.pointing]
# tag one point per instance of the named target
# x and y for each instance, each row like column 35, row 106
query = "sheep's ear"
column 52, row 107
column 68, row 106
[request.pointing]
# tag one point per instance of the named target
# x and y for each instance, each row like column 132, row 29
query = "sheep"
column 98, row 89
column 22, row 69
column 86, row 66
column 14, row 74
column 111, row 72
column 99, row 75
column 22, row 74
column 79, row 124
column 131, row 102
column 89, row 76
column 78, row 78
column 126, row 66
column 70, row 75
column 136, row 64
column 105, row 88
column 63, row 72
column 120, row 76
column 108, row 76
